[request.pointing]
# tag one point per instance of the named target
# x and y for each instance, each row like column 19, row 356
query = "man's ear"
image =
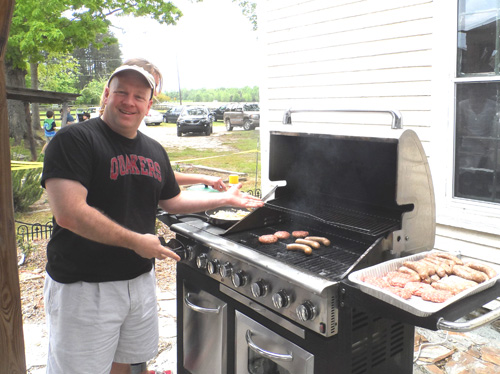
column 106, row 95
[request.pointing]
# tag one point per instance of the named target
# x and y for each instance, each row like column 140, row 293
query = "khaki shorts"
column 92, row 325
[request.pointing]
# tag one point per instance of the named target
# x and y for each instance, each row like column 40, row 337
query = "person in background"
column 49, row 126
column 69, row 118
column 85, row 116
column 182, row 178
column 105, row 180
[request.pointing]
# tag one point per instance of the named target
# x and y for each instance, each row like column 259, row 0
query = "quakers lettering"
column 134, row 165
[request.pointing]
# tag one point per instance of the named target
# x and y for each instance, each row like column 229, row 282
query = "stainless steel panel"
column 260, row 350
column 205, row 337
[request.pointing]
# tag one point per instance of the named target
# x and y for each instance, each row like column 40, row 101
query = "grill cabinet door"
column 205, row 338
column 262, row 351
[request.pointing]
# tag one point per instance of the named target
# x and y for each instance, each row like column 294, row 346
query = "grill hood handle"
column 485, row 319
column 395, row 114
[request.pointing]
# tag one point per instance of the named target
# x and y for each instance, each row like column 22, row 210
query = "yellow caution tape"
column 22, row 165
column 25, row 165
column 206, row 158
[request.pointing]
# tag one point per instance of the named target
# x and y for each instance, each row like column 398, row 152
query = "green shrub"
column 26, row 188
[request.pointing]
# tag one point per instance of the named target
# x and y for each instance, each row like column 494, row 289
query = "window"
column 477, row 101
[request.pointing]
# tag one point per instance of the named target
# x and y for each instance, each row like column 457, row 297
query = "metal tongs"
column 268, row 195
column 175, row 246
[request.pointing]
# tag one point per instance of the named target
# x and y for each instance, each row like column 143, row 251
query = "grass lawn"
column 241, row 157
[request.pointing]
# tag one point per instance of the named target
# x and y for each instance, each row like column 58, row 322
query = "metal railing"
column 34, row 231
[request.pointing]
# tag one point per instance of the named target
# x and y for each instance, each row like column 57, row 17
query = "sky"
column 213, row 45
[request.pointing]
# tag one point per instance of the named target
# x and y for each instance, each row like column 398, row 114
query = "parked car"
column 172, row 114
column 219, row 113
column 94, row 111
column 194, row 119
column 242, row 115
column 153, row 118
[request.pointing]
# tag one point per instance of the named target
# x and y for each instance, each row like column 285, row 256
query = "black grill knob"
column 202, row 261
column 239, row 278
column 226, row 270
column 259, row 288
column 213, row 266
column 281, row 299
column 306, row 311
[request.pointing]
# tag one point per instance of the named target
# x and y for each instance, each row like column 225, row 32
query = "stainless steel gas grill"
column 247, row 307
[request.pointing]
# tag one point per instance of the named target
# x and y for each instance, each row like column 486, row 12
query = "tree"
column 95, row 62
column 42, row 27
column 59, row 72
column 91, row 94
column 248, row 8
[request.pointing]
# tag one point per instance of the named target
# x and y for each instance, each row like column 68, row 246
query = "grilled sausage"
column 448, row 256
column 319, row 239
column 414, row 275
column 420, row 268
column 470, row 274
column 437, row 268
column 300, row 247
column 489, row 271
column 310, row 243
column 300, row 234
column 446, row 265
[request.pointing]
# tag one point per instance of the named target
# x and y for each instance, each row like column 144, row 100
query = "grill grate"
column 330, row 262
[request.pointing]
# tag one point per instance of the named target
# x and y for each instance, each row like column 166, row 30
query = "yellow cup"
column 234, row 179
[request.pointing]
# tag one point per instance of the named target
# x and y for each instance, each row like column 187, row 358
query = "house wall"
column 372, row 54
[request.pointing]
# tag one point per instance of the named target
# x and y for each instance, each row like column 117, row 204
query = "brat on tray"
column 435, row 277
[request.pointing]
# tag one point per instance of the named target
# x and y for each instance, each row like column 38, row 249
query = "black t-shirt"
column 125, row 179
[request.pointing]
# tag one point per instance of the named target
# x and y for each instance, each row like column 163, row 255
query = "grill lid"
column 369, row 185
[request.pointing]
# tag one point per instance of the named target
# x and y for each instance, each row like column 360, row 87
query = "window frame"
column 453, row 211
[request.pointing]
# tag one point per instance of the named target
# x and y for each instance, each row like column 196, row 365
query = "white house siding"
column 364, row 54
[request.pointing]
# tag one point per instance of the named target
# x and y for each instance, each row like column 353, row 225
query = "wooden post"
column 64, row 114
column 12, row 357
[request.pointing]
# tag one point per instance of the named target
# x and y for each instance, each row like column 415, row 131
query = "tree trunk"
column 35, row 107
column 12, row 356
column 17, row 116
column 29, row 135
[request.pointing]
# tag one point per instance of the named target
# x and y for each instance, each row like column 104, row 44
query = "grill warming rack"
column 349, row 218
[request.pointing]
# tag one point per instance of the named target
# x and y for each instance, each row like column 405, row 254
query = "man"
column 104, row 181
column 69, row 118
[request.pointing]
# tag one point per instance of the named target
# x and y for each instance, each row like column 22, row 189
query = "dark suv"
column 194, row 119
column 243, row 115
column 172, row 114
column 218, row 113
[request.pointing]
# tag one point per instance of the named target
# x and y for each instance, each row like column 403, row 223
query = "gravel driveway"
column 167, row 136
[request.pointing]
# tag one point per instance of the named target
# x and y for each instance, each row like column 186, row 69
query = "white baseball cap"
column 149, row 78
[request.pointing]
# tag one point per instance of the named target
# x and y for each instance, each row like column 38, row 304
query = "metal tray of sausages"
column 415, row 304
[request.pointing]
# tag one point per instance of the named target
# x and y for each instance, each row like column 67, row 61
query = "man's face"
column 127, row 100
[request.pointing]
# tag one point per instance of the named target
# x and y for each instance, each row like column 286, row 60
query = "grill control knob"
column 213, row 266
column 239, row 278
column 202, row 261
column 281, row 299
column 306, row 311
column 259, row 288
column 226, row 270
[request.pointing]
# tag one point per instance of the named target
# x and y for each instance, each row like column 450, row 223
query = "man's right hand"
column 150, row 247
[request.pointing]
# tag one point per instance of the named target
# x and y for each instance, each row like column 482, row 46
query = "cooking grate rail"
column 348, row 218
